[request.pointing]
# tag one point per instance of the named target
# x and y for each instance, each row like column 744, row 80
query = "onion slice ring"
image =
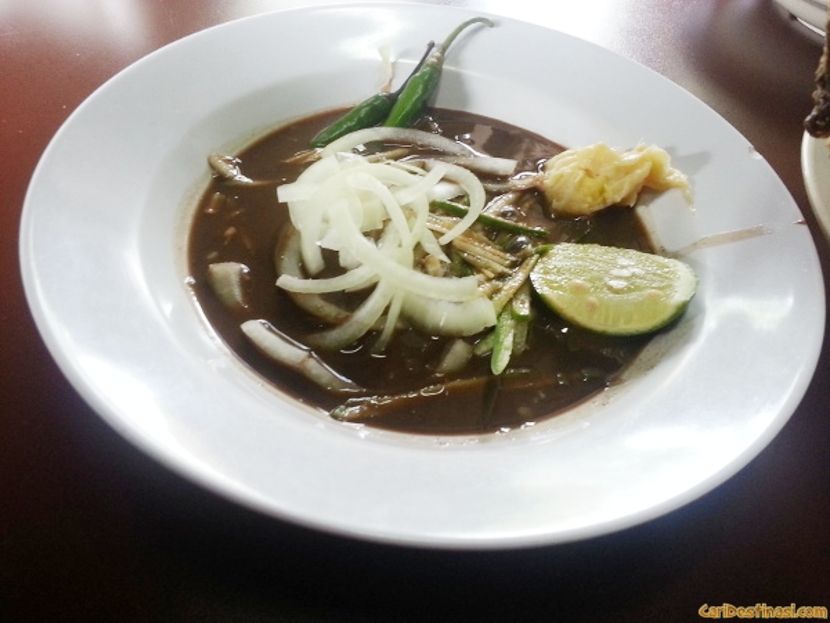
column 404, row 136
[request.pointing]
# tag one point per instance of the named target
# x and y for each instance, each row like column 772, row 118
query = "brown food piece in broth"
column 563, row 366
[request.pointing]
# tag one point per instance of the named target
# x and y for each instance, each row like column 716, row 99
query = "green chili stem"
column 371, row 111
column 410, row 104
column 451, row 37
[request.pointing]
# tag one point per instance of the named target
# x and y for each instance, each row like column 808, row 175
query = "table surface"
column 92, row 529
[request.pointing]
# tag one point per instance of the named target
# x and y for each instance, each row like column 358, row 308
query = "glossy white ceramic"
column 102, row 253
column 811, row 13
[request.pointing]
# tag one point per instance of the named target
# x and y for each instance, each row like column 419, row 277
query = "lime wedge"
column 611, row 290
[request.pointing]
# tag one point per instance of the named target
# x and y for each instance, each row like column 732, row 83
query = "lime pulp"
column 612, row 290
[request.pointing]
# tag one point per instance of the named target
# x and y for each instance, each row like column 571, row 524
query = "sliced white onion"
column 374, row 214
column 474, row 190
column 392, row 315
column 286, row 351
column 307, row 216
column 295, row 191
column 410, row 166
column 404, row 136
column 488, row 165
column 457, row 355
column 310, row 250
column 441, row 317
column 431, row 246
column 320, row 170
column 444, row 191
column 422, row 186
column 337, row 199
column 332, row 240
column 360, row 322
column 287, row 262
column 419, row 223
column 347, row 260
column 352, row 280
column 364, row 181
column 225, row 279
column 448, row 288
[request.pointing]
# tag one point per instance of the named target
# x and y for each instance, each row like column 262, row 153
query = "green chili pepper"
column 422, row 84
column 366, row 114
column 371, row 111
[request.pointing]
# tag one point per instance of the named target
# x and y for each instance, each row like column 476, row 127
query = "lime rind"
column 612, row 290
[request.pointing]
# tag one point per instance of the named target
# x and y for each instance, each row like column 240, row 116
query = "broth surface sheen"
column 562, row 366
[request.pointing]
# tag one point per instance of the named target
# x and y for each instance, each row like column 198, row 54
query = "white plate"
column 103, row 264
column 815, row 166
column 811, row 13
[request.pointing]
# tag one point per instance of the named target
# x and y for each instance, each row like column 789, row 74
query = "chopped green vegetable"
column 513, row 283
column 520, row 303
column 502, row 342
column 520, row 336
column 485, row 345
column 458, row 266
column 455, row 209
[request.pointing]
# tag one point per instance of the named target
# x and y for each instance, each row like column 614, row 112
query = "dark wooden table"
column 93, row 530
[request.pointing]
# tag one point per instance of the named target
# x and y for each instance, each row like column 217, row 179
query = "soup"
column 406, row 386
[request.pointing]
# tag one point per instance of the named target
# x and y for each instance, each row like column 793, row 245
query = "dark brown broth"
column 563, row 365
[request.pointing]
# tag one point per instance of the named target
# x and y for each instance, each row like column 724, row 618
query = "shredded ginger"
column 579, row 182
